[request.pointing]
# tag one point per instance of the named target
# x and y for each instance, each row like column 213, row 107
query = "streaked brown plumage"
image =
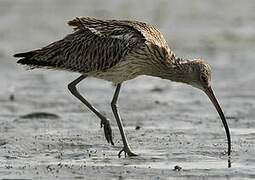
column 119, row 50
column 100, row 48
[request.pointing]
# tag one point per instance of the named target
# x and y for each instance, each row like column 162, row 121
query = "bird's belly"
column 121, row 72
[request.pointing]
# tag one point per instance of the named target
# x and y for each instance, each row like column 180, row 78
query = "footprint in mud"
column 3, row 142
column 177, row 168
column 157, row 89
column 40, row 115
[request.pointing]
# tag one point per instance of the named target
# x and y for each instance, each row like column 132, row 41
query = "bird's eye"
column 203, row 78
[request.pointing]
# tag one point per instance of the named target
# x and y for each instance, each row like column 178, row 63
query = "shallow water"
column 179, row 126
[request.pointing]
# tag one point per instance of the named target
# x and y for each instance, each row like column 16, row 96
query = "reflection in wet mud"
column 229, row 162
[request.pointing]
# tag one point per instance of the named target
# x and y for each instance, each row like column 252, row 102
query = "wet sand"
column 178, row 124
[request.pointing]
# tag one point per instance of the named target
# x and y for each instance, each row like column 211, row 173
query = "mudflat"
column 45, row 133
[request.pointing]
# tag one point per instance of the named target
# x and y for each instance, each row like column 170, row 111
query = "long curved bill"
column 212, row 97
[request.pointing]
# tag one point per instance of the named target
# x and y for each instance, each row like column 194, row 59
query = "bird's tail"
column 33, row 59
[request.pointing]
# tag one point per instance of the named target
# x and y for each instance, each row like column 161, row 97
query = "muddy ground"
column 178, row 124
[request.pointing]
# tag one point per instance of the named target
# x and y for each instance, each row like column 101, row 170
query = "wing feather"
column 122, row 29
column 95, row 45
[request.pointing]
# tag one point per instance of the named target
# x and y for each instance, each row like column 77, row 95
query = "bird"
column 118, row 51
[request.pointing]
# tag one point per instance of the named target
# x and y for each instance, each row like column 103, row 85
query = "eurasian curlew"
column 117, row 51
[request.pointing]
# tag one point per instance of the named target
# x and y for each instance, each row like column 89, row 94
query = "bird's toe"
column 127, row 151
column 107, row 130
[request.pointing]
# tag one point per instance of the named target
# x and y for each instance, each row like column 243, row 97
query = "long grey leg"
column 126, row 149
column 104, row 121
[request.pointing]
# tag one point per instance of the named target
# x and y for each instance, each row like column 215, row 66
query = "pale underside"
column 129, row 67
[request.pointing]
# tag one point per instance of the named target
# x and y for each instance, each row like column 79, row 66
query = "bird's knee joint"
column 114, row 105
column 71, row 87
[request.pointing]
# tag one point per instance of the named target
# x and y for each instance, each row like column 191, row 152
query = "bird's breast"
column 122, row 71
column 137, row 62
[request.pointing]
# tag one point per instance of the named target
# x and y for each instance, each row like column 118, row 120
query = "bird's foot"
column 105, row 123
column 127, row 151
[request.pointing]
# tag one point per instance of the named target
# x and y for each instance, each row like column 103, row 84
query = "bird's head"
column 197, row 73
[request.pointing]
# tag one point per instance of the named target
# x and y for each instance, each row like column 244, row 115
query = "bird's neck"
column 177, row 70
